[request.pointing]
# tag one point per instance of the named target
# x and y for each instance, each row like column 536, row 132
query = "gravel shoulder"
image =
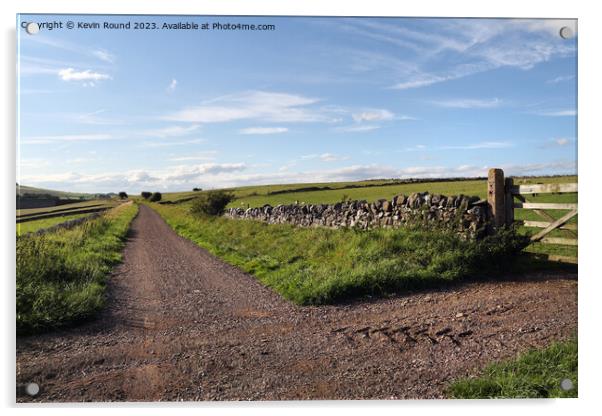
column 183, row 325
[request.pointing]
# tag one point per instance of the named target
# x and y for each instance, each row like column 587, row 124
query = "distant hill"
column 30, row 191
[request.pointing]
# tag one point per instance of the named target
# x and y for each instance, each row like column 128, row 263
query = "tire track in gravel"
column 183, row 325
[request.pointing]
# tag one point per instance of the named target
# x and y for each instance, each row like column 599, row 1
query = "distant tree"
column 155, row 197
column 196, row 189
column 146, row 194
column 123, row 195
column 211, row 203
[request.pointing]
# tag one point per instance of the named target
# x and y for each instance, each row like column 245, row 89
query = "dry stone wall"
column 464, row 214
column 65, row 225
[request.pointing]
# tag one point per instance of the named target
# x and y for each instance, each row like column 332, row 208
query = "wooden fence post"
column 509, row 201
column 496, row 197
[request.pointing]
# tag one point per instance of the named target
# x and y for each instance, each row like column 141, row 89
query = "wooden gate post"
column 496, row 197
column 509, row 201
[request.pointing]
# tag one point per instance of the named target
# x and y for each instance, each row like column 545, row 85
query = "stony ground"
column 182, row 325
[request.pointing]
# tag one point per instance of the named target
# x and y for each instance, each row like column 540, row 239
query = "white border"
column 589, row 153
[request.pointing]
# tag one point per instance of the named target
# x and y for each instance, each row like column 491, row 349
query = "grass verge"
column 320, row 265
column 61, row 275
column 535, row 374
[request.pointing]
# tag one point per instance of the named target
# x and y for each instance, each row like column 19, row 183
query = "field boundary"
column 62, row 213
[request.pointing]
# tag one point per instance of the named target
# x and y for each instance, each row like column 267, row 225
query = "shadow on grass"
column 528, row 267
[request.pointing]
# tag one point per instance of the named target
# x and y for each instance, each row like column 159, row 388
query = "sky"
column 313, row 100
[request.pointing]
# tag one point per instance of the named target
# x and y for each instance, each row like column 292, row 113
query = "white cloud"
column 183, row 176
column 421, row 80
column 481, row 145
column 66, row 138
column 29, row 65
column 160, row 133
column 373, row 115
column 478, row 44
column 468, row 103
column 357, row 128
column 534, row 52
column 556, row 167
column 100, row 53
column 254, row 105
column 139, row 176
column 263, row 130
column 201, row 156
column 70, row 74
column 172, row 86
column 325, row 157
column 329, row 157
column 214, row 175
column 471, row 146
column 172, row 131
column 557, row 113
column 104, row 55
column 562, row 141
column 287, row 166
column 32, row 163
column 556, row 142
column 560, row 79
column 79, row 160
column 196, row 172
column 550, row 26
column 93, row 118
column 170, row 143
column 31, row 91
column 418, row 147
column 370, row 115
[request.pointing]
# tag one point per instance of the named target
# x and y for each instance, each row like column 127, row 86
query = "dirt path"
column 184, row 325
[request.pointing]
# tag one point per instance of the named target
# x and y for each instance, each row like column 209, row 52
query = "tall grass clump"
column 535, row 374
column 320, row 265
column 211, row 203
column 61, row 275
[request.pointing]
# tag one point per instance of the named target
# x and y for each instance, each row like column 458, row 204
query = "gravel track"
column 183, row 325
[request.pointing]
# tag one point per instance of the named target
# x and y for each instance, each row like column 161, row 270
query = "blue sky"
column 316, row 99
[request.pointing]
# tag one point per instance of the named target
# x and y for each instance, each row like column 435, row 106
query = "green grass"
column 535, row 374
column 61, row 275
column 32, row 226
column 321, row 265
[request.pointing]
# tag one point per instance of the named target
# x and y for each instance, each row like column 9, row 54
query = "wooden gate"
column 501, row 195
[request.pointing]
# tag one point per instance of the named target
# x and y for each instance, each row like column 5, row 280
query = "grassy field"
column 370, row 194
column 259, row 190
column 320, row 265
column 61, row 275
column 72, row 208
column 535, row 374
column 33, row 226
column 253, row 196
